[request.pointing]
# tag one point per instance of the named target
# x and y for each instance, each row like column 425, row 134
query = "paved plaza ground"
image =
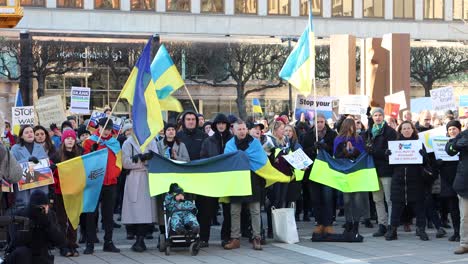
column 407, row 249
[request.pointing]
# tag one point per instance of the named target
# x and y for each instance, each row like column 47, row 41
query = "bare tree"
column 322, row 62
column 431, row 64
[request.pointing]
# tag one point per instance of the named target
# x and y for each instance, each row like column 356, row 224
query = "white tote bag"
column 284, row 225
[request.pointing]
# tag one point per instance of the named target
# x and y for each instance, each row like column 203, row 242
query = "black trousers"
column 21, row 255
column 206, row 207
column 108, row 193
column 417, row 208
column 226, row 226
column 454, row 210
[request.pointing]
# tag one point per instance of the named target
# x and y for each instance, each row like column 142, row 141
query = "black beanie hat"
column 169, row 125
column 37, row 198
column 454, row 123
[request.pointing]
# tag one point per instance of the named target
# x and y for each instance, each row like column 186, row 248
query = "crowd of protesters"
column 428, row 192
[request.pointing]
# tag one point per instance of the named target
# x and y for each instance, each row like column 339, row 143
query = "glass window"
column 433, row 9
column 142, row 4
column 460, row 9
column 107, row 4
column 342, row 8
column 374, row 8
column 70, row 3
column 246, row 6
column 178, row 5
column 403, row 9
column 316, row 7
column 33, row 2
column 212, row 6
column 278, row 7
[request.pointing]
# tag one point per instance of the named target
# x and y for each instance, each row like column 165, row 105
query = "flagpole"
column 191, row 99
column 312, row 69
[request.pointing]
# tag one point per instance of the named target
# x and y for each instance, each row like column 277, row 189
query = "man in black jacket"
column 190, row 135
column 32, row 247
column 207, row 206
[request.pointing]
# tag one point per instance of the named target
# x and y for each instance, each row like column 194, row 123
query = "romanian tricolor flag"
column 259, row 162
column 219, row 176
column 166, row 79
column 299, row 68
column 139, row 91
column 345, row 175
column 257, row 108
column 81, row 180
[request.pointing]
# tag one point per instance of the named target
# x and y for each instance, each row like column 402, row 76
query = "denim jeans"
column 321, row 197
column 356, row 205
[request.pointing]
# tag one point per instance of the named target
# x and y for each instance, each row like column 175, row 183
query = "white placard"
column 438, row 144
column 405, row 152
column 22, row 115
column 79, row 100
column 443, row 99
column 298, row 159
column 353, row 105
column 50, row 110
column 426, row 136
column 397, row 98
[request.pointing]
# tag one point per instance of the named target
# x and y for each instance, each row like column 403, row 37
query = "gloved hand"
column 320, row 145
column 33, row 160
column 369, row 149
column 137, row 157
column 388, row 152
column 53, row 167
column 94, row 147
column 147, row 156
column 423, row 152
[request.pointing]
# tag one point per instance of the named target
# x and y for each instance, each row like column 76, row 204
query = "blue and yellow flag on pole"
column 139, row 90
column 257, row 108
column 345, row 175
column 81, row 180
column 299, row 68
column 166, row 80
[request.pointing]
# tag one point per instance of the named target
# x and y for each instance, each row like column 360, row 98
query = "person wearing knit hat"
column 38, row 198
column 454, row 123
column 68, row 133
column 377, row 110
column 183, row 220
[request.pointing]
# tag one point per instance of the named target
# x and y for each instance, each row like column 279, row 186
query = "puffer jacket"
column 460, row 145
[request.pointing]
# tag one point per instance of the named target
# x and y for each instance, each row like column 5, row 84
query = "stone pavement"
column 407, row 249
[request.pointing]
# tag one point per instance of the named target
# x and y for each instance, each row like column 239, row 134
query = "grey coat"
column 138, row 207
column 22, row 155
column 10, row 169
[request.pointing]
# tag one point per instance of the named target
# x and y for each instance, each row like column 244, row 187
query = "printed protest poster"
column 463, row 106
column 79, row 102
column 426, row 136
column 50, row 110
column 94, row 122
column 443, row 99
column 397, row 98
column 298, row 159
column 405, row 152
column 35, row 175
column 438, row 144
column 21, row 116
column 325, row 105
column 118, row 124
column 353, row 104
column 392, row 110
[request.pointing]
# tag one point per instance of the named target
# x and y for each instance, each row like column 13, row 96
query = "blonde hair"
column 276, row 125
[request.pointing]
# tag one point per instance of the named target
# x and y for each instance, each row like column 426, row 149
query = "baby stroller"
column 170, row 239
column 9, row 226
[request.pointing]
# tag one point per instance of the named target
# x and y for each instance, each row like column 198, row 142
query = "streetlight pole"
column 289, row 85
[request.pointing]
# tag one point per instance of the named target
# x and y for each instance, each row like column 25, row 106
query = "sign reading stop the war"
column 23, row 115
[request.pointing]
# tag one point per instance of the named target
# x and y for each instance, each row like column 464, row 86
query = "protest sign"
column 397, row 98
column 426, row 136
column 443, row 99
column 405, row 152
column 35, row 175
column 298, row 159
column 50, row 110
column 324, row 104
column 353, row 104
column 6, row 186
column 463, row 106
column 94, row 122
column 79, row 100
column 419, row 104
column 392, row 110
column 23, row 115
column 438, row 144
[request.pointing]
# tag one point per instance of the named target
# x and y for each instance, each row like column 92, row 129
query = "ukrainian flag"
column 345, row 175
column 166, row 79
column 18, row 103
column 139, row 90
column 257, row 108
column 299, row 68
column 81, row 181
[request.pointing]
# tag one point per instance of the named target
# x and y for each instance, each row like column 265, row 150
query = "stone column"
column 342, row 65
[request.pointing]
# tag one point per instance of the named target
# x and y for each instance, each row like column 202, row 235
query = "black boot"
column 139, row 245
column 355, row 232
column 348, row 231
column 455, row 237
column 391, row 234
column 381, row 231
column 89, row 249
column 110, row 247
column 421, row 233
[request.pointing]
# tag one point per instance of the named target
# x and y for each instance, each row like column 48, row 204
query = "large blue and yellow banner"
column 81, row 181
column 344, row 174
column 220, row 176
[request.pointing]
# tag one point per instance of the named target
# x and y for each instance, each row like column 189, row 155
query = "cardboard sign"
column 438, row 144
column 23, row 115
column 353, row 104
column 35, row 175
column 80, row 98
column 298, row 159
column 50, row 110
column 325, row 105
column 443, row 99
column 426, row 136
column 392, row 110
column 397, row 98
column 405, row 152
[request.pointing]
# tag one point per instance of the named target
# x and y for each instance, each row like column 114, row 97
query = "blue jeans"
column 321, row 197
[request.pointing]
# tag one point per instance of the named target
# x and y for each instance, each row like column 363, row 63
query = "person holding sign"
column 408, row 184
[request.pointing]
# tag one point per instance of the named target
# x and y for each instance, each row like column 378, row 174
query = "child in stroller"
column 181, row 223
